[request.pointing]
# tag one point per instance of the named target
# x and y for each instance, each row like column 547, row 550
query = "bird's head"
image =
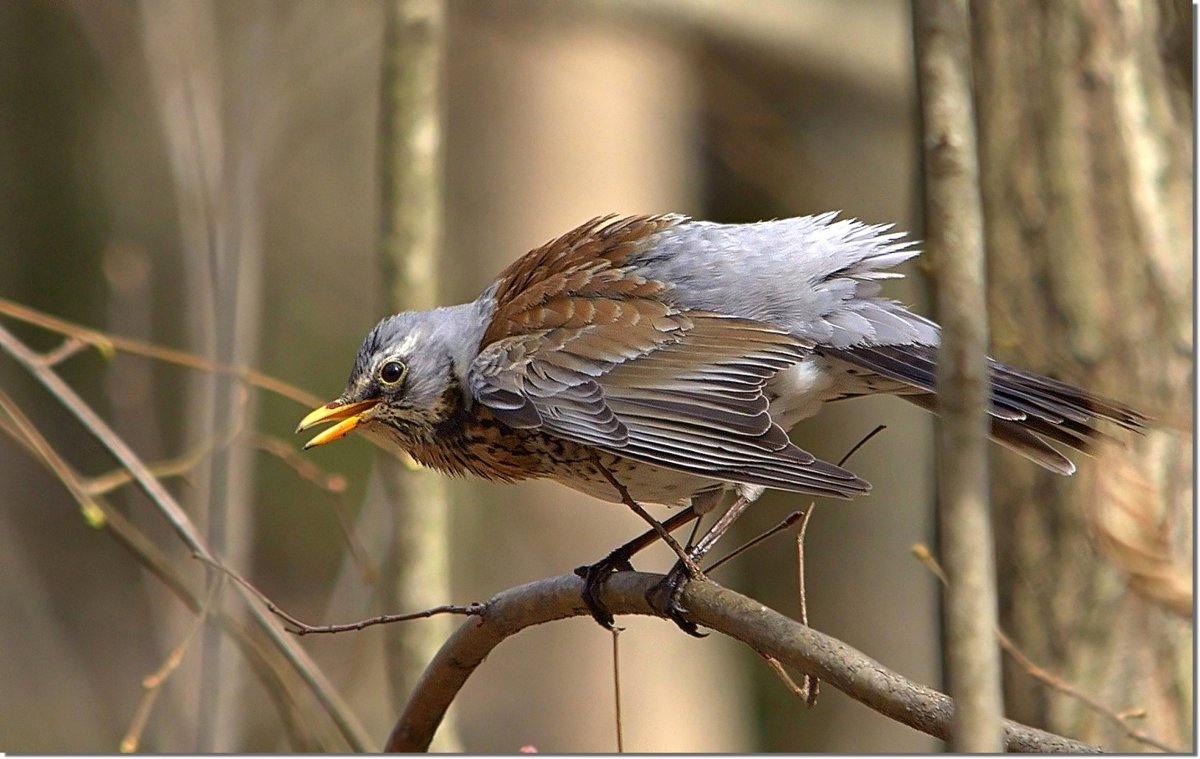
column 408, row 377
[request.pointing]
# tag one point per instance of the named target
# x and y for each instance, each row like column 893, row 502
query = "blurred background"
column 205, row 176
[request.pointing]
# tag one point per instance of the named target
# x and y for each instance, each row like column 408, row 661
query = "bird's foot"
column 665, row 596
column 594, row 576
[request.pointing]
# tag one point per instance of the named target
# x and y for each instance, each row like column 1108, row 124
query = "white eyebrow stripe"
column 407, row 344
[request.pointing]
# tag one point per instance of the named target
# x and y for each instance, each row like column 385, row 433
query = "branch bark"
column 713, row 606
column 954, row 234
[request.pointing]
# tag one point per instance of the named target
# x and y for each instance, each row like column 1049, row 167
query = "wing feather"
column 584, row 348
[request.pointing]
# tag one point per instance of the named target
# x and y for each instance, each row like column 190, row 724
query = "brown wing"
column 583, row 348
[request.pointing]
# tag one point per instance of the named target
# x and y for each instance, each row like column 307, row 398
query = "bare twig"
column 174, row 514
column 858, row 446
column 801, row 691
column 153, row 683
column 324, row 691
column 1120, row 719
column 954, row 233
column 330, row 482
column 713, row 606
column 300, row 628
column 651, row 536
column 69, row 347
column 787, row 522
column 272, row 670
column 810, row 684
column 176, row 466
column 334, row 485
column 469, row 610
column 25, row 432
column 616, row 659
column 107, row 343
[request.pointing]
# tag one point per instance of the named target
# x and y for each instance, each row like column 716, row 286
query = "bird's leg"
column 686, row 566
column 721, row 526
column 666, row 594
column 692, row 568
column 618, row 561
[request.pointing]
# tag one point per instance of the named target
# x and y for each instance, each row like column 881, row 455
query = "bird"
column 657, row 359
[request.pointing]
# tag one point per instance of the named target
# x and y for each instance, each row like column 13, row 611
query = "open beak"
column 347, row 415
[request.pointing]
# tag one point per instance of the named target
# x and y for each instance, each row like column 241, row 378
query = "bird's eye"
column 392, row 372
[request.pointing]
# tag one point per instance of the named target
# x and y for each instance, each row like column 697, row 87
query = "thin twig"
column 691, row 541
column 167, row 505
column 333, row 484
column 811, row 685
column 300, row 628
column 176, row 466
column 792, row 518
column 787, row 522
column 69, row 347
column 863, row 441
column 330, row 482
column 616, row 660
column 926, row 557
column 468, row 610
column 108, row 343
column 302, row 664
column 153, row 682
column 270, row 670
column 29, row 435
column 797, row 690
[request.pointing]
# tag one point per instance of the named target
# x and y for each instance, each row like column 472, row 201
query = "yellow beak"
column 347, row 415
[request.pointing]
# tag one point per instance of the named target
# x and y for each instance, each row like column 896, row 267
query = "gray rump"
column 812, row 275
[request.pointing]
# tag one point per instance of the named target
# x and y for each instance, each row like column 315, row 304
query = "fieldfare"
column 656, row 359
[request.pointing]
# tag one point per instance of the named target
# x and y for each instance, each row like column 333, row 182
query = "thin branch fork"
column 717, row 608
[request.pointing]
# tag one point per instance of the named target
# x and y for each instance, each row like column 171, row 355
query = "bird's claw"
column 665, row 598
column 594, row 576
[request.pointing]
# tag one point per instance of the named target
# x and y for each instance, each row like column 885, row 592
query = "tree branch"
column 718, row 608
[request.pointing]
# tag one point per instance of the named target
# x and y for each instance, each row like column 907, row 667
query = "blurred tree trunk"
column 416, row 569
column 556, row 117
column 1085, row 132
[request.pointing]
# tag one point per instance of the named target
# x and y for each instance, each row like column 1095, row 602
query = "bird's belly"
column 646, row 483
column 490, row 450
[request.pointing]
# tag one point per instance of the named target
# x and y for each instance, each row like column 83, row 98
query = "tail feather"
column 1027, row 409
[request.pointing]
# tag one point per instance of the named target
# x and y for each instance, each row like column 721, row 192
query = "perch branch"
column 715, row 607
